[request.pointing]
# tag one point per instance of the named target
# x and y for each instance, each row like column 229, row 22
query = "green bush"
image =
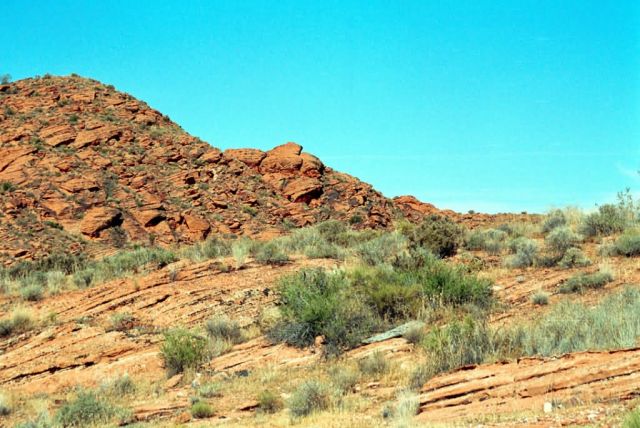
column 270, row 254
column 201, row 410
column 209, row 390
column 240, row 250
column 400, row 293
column 5, row 407
column 21, row 321
column 183, row 350
column 552, row 220
column 458, row 344
column 210, row 249
column 323, row 250
column 122, row 321
column 32, row 292
column 628, row 244
column 391, row 295
column 567, row 327
column 572, row 327
column 526, row 251
column 540, row 298
column 609, row 219
column 225, row 329
column 331, row 230
column 122, row 386
column 578, row 283
column 560, row 239
column 383, row 249
column 309, row 397
column 41, row 421
column 87, row 409
column 314, row 303
column 491, row 240
column 632, row 420
column 438, row 234
column 6, row 187
column 344, row 379
column 574, row 257
column 268, row 402
column 373, row 365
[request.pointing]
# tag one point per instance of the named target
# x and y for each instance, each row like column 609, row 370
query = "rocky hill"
column 84, row 167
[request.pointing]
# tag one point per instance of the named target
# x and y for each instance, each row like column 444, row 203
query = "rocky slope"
column 81, row 162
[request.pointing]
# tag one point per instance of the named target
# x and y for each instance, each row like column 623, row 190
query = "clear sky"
column 487, row 105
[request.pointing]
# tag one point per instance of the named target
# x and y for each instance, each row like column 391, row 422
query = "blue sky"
column 485, row 105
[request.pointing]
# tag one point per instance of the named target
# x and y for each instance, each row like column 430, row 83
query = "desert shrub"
column 83, row 278
column 6, row 327
column 270, row 254
column 628, row 244
column 609, row 219
column 578, row 283
column 209, row 249
column 240, row 250
column 6, row 187
column 573, row 327
column 313, row 303
column 490, row 240
column 209, row 390
column 55, row 281
column 20, row 321
column 64, row 262
column 122, row 386
column 632, row 420
column 344, row 379
column 388, row 293
column 32, row 292
column 122, row 264
column 268, row 402
column 323, row 250
column 525, row 251
column 406, row 407
column 201, row 410
column 452, row 285
column 373, row 365
column 555, row 218
column 85, row 410
column 121, row 321
column 518, row 229
column 458, row 344
column 331, row 230
column 183, row 350
column 560, row 239
column 225, row 329
column 400, row 293
column 382, row 249
column 415, row 334
column 309, row 397
column 5, row 407
column 540, row 298
column 574, row 257
column 438, row 234
column 41, row 421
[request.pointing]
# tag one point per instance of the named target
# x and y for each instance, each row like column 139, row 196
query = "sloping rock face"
column 529, row 383
column 84, row 167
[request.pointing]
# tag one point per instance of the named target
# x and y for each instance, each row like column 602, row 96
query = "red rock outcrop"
column 70, row 146
column 527, row 384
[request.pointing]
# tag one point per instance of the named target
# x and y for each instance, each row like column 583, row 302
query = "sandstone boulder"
column 98, row 219
column 250, row 157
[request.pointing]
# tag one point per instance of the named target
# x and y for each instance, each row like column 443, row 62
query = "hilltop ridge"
column 86, row 168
